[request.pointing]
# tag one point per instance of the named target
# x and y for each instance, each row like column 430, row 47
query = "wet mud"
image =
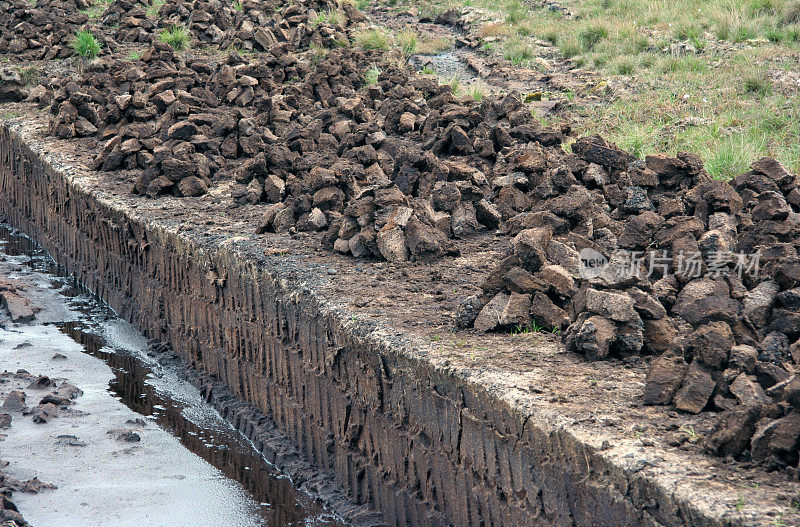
column 139, row 383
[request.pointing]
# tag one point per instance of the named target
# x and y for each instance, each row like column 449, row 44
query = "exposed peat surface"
column 138, row 443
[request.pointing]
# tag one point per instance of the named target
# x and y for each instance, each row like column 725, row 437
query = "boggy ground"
column 400, row 167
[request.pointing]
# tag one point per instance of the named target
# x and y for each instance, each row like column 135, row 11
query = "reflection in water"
column 280, row 503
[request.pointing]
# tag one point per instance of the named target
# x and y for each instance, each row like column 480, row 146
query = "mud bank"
column 348, row 359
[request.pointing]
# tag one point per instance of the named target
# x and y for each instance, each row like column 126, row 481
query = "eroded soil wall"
column 421, row 445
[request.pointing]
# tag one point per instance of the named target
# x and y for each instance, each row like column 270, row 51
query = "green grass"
column 97, row 9
column 317, row 54
column 86, row 44
column 155, row 7
column 735, row 117
column 455, row 85
column 332, row 17
column 791, row 14
column 532, row 329
column 373, row 39
column 239, row 50
column 476, row 93
column 516, row 12
column 371, row 75
column 238, row 6
column 407, row 41
column 757, row 85
column 625, row 66
column 591, row 36
column 681, row 63
column 29, row 75
column 176, row 36
column 428, row 45
column 570, row 46
column 518, row 51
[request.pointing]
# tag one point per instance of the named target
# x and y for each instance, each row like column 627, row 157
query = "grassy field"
column 718, row 77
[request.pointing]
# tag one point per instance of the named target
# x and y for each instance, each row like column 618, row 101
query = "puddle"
column 153, row 392
column 447, row 65
column 220, row 445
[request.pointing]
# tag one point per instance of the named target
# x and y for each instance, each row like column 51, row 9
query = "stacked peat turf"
column 298, row 26
column 392, row 170
column 206, row 21
column 177, row 119
column 702, row 272
column 12, row 87
column 129, row 20
column 43, row 31
column 253, row 25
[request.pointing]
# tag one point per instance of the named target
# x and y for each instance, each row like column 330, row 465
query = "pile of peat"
column 127, row 21
column 392, row 169
column 659, row 258
column 261, row 25
column 625, row 257
column 43, row 31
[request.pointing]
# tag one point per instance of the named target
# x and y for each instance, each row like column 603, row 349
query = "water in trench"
column 232, row 474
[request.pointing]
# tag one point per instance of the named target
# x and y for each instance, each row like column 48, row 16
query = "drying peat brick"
column 12, row 89
column 699, row 272
column 263, row 25
column 179, row 121
column 42, row 30
column 338, row 156
column 128, row 21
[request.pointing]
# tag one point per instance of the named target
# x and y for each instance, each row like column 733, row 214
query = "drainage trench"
column 153, row 390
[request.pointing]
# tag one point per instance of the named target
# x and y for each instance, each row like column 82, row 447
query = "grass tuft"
column 317, row 54
column 516, row 12
column 97, row 9
column 407, row 42
column 331, row 16
column 455, row 85
column 625, row 66
column 371, row 75
column 591, row 36
column 373, row 39
column 518, row 51
column 569, row 46
column 476, row 92
column 29, row 75
column 155, row 7
column 86, row 44
column 176, row 36
column 758, row 85
column 791, row 16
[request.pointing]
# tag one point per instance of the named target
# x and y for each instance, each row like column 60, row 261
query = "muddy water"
column 154, row 392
